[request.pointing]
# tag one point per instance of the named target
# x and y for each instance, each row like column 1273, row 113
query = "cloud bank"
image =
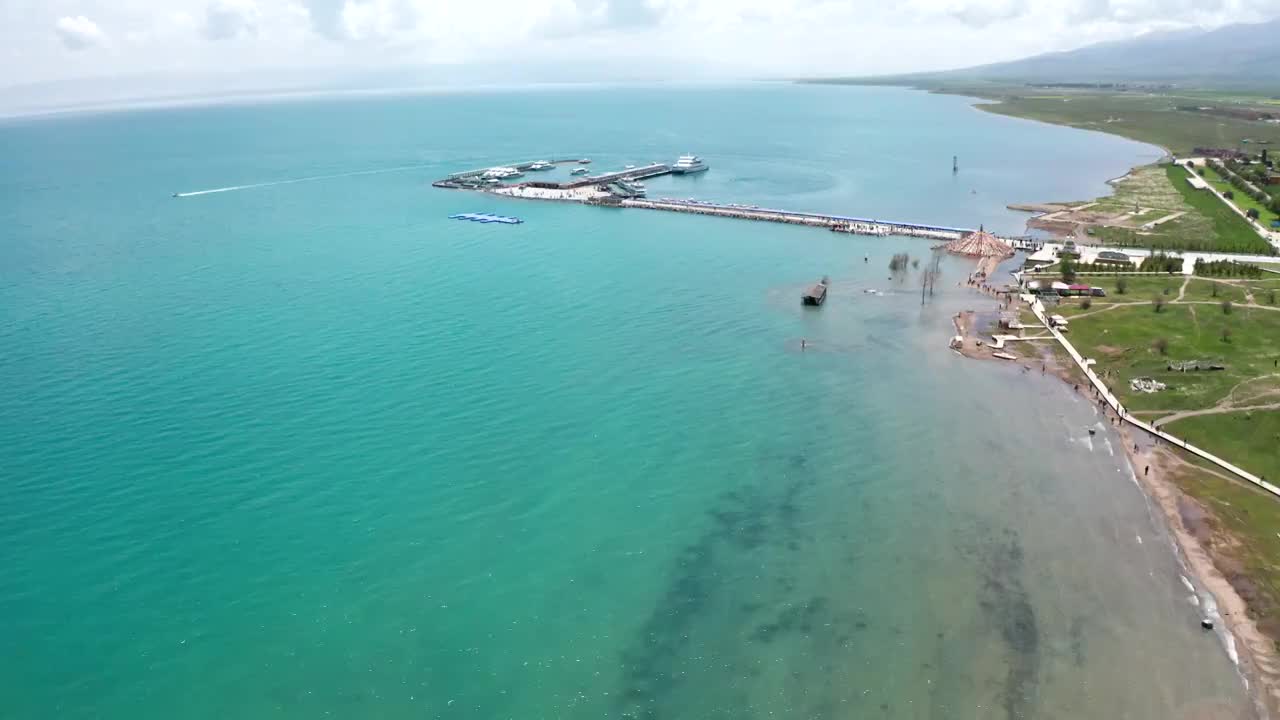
column 58, row 40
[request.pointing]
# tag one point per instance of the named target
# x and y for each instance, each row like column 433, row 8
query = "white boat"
column 631, row 188
column 580, row 171
column 688, row 165
column 501, row 173
column 629, row 167
column 541, row 165
column 584, row 161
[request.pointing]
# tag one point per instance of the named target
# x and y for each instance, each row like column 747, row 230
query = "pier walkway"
column 837, row 223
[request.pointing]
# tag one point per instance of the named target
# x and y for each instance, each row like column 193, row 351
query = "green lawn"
column 1248, row 439
column 1122, row 342
column 1199, row 289
column 1240, row 199
column 1233, row 233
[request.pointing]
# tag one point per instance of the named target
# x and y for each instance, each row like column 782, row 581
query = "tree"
column 1213, row 290
column 1158, row 301
column 1229, row 195
column 1122, row 284
column 1086, row 303
column 1226, row 334
column 1253, row 213
column 1271, row 297
column 1161, row 345
column 1068, row 270
column 1226, row 307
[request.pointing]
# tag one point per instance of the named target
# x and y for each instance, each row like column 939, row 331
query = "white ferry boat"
column 501, row 173
column 688, row 165
column 580, row 171
column 541, row 165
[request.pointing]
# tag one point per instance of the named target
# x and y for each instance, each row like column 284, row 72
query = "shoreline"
column 1254, row 654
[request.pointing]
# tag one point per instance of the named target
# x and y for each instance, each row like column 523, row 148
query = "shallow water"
column 315, row 450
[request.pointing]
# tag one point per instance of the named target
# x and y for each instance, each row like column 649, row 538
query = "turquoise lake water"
column 314, row 450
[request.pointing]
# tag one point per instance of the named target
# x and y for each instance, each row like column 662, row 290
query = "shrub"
column 1229, row 195
column 1253, row 213
column 1158, row 301
column 1086, row 303
column 1161, row 345
column 1213, row 291
column 1226, row 334
column 1271, row 297
column 1226, row 307
column 1122, row 284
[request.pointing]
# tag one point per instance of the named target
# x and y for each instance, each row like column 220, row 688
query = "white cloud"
column 746, row 38
column 79, row 32
column 225, row 19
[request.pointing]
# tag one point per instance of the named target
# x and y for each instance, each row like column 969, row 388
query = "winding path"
column 1218, row 409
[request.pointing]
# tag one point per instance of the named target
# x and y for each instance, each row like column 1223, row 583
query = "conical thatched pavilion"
column 980, row 244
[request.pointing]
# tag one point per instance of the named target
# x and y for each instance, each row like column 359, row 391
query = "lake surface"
column 314, row 450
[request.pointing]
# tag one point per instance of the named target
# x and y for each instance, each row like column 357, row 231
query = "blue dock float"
column 487, row 218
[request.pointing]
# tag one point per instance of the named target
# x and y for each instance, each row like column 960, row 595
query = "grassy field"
column 1149, row 116
column 1250, row 436
column 1123, row 342
column 1152, row 118
column 1233, row 233
column 1240, row 199
column 1161, row 190
column 1252, row 519
column 1211, row 291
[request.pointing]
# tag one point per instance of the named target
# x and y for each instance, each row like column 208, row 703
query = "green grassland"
column 1239, row 198
column 1148, row 117
column 1253, row 437
column 1233, row 233
column 1207, row 223
column 1122, row 340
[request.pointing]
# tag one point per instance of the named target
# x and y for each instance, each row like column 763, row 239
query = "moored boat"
column 817, row 294
column 688, row 165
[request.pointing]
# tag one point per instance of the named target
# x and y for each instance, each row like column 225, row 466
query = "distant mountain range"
column 1234, row 56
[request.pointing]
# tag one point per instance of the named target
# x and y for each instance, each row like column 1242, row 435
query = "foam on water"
column 311, row 178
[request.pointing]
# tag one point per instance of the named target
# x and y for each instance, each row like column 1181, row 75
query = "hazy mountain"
column 1234, row 55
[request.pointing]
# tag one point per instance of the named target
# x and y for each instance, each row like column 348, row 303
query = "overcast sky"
column 52, row 40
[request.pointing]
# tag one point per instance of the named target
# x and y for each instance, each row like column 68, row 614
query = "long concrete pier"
column 837, row 223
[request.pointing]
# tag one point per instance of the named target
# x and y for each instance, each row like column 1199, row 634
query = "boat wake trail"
column 311, row 178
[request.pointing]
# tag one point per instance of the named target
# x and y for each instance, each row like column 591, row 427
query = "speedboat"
column 580, row 171
column 541, row 165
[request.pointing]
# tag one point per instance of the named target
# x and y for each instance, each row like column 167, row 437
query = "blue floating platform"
column 487, row 218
